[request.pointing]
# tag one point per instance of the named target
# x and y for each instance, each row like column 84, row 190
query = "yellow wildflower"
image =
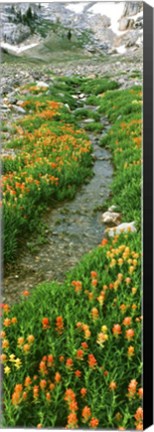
column 104, row 328
column 17, row 363
column 7, row 370
column 12, row 357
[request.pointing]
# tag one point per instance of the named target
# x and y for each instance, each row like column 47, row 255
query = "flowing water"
column 74, row 228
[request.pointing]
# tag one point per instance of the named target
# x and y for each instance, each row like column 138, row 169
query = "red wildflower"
column 72, row 420
column 80, row 354
column 86, row 413
column 94, row 282
column 93, row 274
column 92, row 361
column 84, row 345
column 45, row 323
column 116, row 330
column 83, row 391
column 69, row 363
column 69, row 395
column 59, row 324
column 43, row 383
column 78, row 373
column 26, row 293
column 104, row 242
column 94, row 422
column 129, row 334
column 57, row 377
column 50, row 360
column 139, row 414
column 73, row 406
column 113, row 385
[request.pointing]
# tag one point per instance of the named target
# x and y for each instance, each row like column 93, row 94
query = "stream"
column 74, row 228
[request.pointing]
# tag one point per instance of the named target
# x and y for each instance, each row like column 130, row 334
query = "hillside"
column 39, row 29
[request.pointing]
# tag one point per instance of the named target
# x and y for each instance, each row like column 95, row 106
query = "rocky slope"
column 99, row 27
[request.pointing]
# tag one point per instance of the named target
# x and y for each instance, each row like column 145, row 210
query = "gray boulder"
column 132, row 8
column 15, row 33
column 123, row 24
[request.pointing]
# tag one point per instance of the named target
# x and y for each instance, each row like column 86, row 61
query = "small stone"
column 19, row 109
column 42, row 84
column 5, row 100
column 4, row 107
column 111, row 217
column 89, row 120
column 19, row 102
column 124, row 227
column 81, row 95
column 67, row 106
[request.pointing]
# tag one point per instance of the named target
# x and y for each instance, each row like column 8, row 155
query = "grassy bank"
column 53, row 157
column 72, row 351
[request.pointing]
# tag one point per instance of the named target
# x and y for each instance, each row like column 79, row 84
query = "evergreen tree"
column 29, row 14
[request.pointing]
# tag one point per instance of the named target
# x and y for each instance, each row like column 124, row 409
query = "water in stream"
column 74, row 228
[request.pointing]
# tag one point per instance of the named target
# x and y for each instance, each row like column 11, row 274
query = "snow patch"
column 113, row 10
column 15, row 48
column 121, row 49
column 76, row 7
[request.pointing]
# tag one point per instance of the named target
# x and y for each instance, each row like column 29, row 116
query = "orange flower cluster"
column 129, row 334
column 94, row 313
column 94, row 422
column 45, row 323
column 116, row 330
column 70, row 398
column 130, row 351
column 69, row 363
column 112, row 385
column 59, row 325
column 77, row 286
column 80, row 354
column 86, row 414
column 35, row 391
column 85, row 328
column 17, row 395
column 139, row 418
column 83, row 392
column 101, row 297
column 132, row 388
column 78, row 373
column 45, row 363
column 92, row 361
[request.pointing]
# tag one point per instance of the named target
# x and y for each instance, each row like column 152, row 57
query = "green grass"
column 95, row 127
column 98, row 85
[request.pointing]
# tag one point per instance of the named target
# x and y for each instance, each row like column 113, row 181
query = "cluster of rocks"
column 14, row 75
column 113, row 219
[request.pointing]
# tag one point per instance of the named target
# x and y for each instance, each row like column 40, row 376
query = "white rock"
column 19, row 109
column 81, row 95
column 67, row 106
column 124, row 227
column 42, row 84
column 110, row 217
